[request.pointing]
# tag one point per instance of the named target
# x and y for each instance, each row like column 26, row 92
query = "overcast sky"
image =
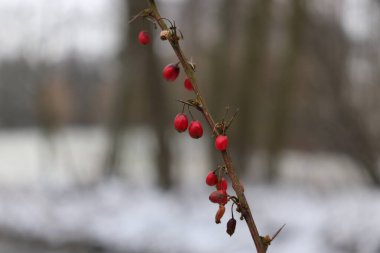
column 46, row 28
column 53, row 28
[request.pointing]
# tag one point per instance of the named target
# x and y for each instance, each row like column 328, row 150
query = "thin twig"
column 142, row 13
column 239, row 189
column 185, row 102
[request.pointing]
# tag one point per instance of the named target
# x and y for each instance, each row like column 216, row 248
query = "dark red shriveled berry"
column 219, row 197
column 231, row 225
column 219, row 214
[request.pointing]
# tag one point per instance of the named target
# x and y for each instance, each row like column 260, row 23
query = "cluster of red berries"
column 218, row 196
column 196, row 130
column 181, row 123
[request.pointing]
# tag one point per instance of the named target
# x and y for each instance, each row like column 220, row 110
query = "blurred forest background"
column 82, row 103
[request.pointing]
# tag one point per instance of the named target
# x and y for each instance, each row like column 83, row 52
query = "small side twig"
column 141, row 14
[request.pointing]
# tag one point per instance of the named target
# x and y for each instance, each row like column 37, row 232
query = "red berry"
column 188, row 84
column 222, row 185
column 219, row 197
column 211, row 179
column 195, row 129
column 221, row 142
column 144, row 38
column 171, row 72
column 180, row 122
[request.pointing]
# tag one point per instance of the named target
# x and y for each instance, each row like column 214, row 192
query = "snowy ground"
column 322, row 213
column 119, row 217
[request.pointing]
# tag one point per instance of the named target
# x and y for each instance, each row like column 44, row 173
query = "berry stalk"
column 260, row 242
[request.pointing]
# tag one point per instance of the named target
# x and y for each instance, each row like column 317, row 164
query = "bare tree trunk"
column 140, row 96
column 159, row 118
column 285, row 87
column 346, row 127
column 356, row 140
column 221, row 62
column 250, row 77
column 122, row 95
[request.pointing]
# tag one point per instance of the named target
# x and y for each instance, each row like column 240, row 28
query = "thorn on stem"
column 278, row 231
column 226, row 113
column 192, row 102
column 267, row 239
column 191, row 63
column 184, row 102
column 232, row 119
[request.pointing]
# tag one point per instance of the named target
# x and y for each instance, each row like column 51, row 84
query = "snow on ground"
column 121, row 217
column 38, row 201
column 78, row 154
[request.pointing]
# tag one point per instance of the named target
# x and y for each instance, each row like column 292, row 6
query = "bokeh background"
column 90, row 161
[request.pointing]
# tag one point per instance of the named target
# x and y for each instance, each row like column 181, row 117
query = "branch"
column 260, row 243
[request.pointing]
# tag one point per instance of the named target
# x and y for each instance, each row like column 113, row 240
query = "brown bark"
column 250, row 77
column 345, row 126
column 285, row 87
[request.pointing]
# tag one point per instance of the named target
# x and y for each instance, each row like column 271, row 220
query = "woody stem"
column 238, row 188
